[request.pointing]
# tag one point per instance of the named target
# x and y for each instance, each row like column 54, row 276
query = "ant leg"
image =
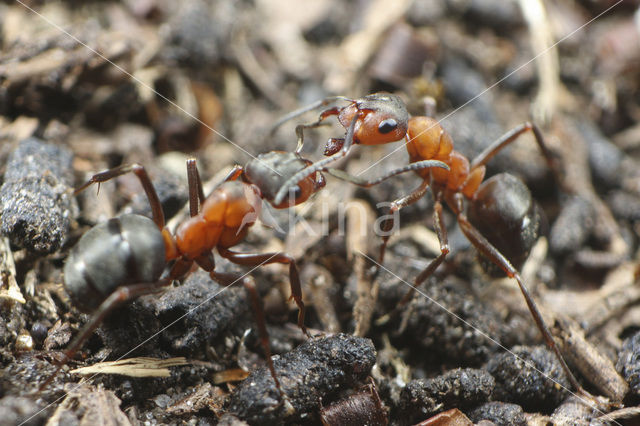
column 396, row 205
column 490, row 252
column 441, row 231
column 366, row 183
column 512, row 135
column 310, row 107
column 207, row 262
column 227, row 279
column 143, row 177
column 301, row 127
column 249, row 259
column 319, row 165
column 234, row 174
column 117, row 298
column 196, row 193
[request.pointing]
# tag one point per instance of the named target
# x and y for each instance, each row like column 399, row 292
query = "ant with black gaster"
column 127, row 256
column 503, row 221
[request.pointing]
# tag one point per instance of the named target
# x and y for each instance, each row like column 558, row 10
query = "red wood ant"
column 503, row 221
column 126, row 256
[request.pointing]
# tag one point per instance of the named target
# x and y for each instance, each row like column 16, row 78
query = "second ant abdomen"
column 506, row 214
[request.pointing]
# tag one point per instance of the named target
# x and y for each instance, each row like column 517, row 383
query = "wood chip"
column 134, row 367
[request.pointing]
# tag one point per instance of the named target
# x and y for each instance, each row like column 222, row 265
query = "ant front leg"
column 145, row 181
column 367, row 183
column 310, row 107
column 301, row 127
column 493, row 254
column 318, row 165
column 249, row 259
column 441, row 231
column 396, row 205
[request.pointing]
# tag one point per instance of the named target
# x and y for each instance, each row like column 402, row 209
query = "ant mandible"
column 503, row 222
column 126, row 256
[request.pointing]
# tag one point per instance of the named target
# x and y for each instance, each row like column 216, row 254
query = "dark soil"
column 88, row 86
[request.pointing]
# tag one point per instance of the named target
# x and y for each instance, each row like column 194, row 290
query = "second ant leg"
column 441, row 231
column 509, row 137
column 396, row 205
column 367, row 183
column 250, row 259
column 491, row 253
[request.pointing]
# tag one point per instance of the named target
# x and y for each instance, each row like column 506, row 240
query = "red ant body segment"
column 503, row 219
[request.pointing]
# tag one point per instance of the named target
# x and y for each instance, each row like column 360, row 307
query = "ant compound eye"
column 387, row 126
column 295, row 192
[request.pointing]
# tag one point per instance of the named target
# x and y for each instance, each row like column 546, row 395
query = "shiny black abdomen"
column 124, row 250
column 506, row 214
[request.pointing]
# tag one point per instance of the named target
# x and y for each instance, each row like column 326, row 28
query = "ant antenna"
column 310, row 107
column 319, row 165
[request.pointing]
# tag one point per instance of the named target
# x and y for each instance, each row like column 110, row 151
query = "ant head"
column 269, row 171
column 384, row 118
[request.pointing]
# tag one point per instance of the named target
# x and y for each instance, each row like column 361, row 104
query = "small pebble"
column 313, row 371
column 24, row 342
column 573, row 226
column 500, row 413
column 459, row 388
column 528, row 386
column 202, row 317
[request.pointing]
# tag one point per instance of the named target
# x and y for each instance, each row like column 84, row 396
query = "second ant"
column 498, row 216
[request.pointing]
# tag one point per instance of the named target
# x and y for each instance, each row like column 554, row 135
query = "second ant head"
column 383, row 118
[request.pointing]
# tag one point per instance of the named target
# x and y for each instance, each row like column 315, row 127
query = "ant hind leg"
column 512, row 135
column 490, row 252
